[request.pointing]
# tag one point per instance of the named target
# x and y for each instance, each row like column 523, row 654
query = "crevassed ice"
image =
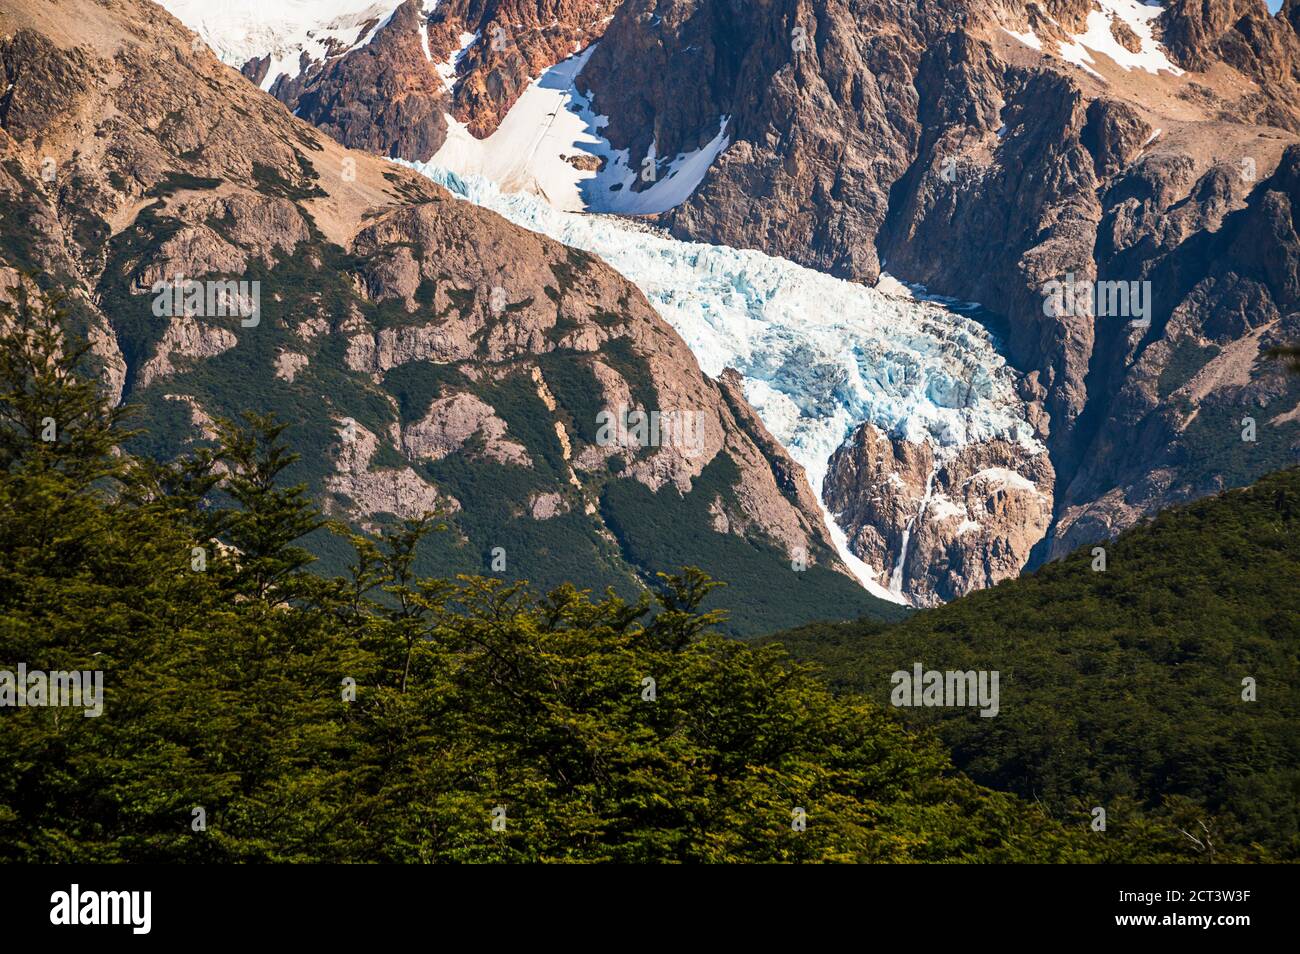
column 820, row 355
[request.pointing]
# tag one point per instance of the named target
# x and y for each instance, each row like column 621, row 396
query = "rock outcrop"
column 385, row 96
column 470, row 59
column 517, row 41
column 942, row 524
column 361, row 490
column 427, row 354
column 983, row 150
column 453, row 420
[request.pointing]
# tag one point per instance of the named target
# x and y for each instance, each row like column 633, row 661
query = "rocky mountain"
column 1113, row 181
column 979, row 512
column 988, row 150
column 224, row 256
column 821, row 358
column 385, row 75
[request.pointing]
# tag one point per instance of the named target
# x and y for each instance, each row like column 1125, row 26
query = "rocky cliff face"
column 941, row 525
column 390, row 91
column 384, row 96
column 820, row 123
column 517, row 40
column 990, row 150
column 429, row 354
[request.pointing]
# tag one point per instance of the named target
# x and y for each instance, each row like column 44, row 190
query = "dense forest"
column 255, row 710
column 1159, row 673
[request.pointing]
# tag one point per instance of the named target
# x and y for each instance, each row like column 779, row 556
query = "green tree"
column 256, row 712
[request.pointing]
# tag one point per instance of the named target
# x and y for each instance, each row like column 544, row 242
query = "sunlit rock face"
column 833, row 368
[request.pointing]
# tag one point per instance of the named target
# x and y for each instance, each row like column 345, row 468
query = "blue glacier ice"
column 820, row 355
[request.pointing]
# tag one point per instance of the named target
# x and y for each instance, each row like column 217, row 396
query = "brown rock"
column 453, row 420
column 936, row 528
column 385, row 97
column 164, row 158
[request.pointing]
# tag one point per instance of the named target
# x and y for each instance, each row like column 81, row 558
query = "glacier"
column 820, row 355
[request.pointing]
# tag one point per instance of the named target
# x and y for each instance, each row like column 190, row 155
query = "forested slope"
column 1126, row 686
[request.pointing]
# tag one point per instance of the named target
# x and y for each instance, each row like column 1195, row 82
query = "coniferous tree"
column 255, row 712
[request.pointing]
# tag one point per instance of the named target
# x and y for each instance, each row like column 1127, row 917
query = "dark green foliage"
column 131, row 315
column 1126, row 685
column 1289, row 354
column 17, row 230
column 174, row 182
column 566, row 548
column 271, row 518
column 577, row 392
column 386, row 716
column 619, row 354
column 545, row 553
column 1212, row 445
column 515, row 400
column 417, row 384
column 1211, row 452
column 462, row 299
column 271, row 182
column 669, row 529
column 1186, row 359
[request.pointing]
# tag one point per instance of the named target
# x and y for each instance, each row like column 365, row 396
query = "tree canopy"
column 256, row 711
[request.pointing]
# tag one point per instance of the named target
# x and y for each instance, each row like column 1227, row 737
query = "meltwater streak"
column 820, row 355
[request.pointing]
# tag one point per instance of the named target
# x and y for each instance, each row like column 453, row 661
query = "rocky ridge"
column 429, row 354
column 982, row 149
column 391, row 91
column 1096, row 140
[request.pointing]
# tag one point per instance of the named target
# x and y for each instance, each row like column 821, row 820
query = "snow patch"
column 526, row 152
column 242, row 30
column 1004, row 477
column 611, row 189
column 889, row 285
column 943, row 507
column 553, row 123
column 1029, row 39
column 865, row 574
column 1098, row 38
column 448, row 69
